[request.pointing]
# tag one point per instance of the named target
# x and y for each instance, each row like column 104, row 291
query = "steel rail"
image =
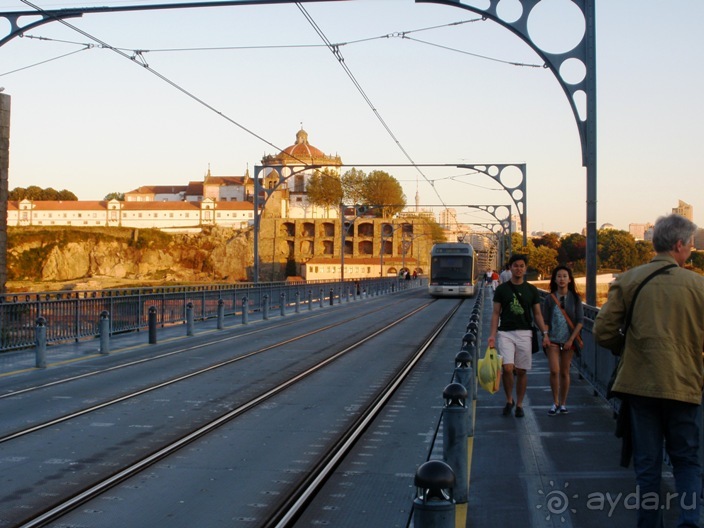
column 293, row 506
column 57, row 511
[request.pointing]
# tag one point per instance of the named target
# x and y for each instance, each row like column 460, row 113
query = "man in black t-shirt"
column 516, row 307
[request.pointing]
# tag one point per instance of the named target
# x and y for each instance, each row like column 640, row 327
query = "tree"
column 67, row 196
column 550, row 240
column 697, row 260
column 645, row 251
column 120, row 197
column 324, row 189
column 617, row 249
column 35, row 193
column 383, row 190
column 543, row 259
column 353, row 186
column 573, row 248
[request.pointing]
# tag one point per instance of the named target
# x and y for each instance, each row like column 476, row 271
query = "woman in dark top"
column 563, row 334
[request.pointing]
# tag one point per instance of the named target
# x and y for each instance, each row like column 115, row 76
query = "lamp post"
column 381, row 250
column 344, row 230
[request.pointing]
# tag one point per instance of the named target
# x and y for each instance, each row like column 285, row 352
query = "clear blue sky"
column 95, row 122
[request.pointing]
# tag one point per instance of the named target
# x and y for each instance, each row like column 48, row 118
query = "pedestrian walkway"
column 542, row 470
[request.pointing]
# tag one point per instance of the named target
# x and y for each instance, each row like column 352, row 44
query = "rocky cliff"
column 97, row 257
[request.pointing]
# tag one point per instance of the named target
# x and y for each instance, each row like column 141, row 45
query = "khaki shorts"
column 516, row 348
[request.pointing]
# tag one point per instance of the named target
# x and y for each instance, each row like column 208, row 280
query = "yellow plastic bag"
column 489, row 370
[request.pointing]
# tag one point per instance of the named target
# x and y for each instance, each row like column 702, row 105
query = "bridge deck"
column 534, row 471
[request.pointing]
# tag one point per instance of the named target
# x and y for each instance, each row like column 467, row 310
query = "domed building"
column 293, row 161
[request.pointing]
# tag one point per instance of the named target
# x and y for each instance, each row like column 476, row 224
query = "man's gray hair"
column 669, row 230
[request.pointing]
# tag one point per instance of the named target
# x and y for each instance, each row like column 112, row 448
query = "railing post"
column 310, row 300
column 265, row 308
column 151, row 317
column 40, row 340
column 322, row 297
column 298, row 301
column 434, row 506
column 282, row 304
column 245, row 310
column 332, row 296
column 221, row 314
column 454, row 427
column 464, row 376
column 104, row 332
column 189, row 319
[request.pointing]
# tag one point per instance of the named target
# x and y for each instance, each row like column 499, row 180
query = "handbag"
column 620, row 343
column 577, row 344
column 535, row 341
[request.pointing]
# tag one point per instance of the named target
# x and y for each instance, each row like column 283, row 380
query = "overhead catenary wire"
column 137, row 58
column 340, row 59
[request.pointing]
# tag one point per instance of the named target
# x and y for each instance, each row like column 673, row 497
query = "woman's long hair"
column 570, row 286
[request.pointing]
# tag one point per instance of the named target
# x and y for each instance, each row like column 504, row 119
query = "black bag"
column 535, row 340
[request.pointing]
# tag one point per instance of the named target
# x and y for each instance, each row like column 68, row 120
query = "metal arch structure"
column 517, row 193
column 584, row 52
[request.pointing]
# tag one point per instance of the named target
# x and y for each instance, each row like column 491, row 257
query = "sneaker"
column 563, row 410
column 507, row 408
column 519, row 412
column 553, row 410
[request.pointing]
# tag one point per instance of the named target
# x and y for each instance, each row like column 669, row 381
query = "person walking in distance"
column 505, row 275
column 516, row 306
column 564, row 316
column 660, row 374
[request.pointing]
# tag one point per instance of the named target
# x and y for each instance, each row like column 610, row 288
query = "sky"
column 226, row 85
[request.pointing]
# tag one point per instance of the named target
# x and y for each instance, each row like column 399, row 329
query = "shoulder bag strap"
column 567, row 318
column 629, row 313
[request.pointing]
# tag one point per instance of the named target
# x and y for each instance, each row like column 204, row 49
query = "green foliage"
column 543, row 259
column 38, row 194
column 120, row 197
column 144, row 238
column 27, row 265
column 573, row 248
column 353, row 186
column 697, row 260
column 378, row 189
column 324, row 189
column 617, row 249
column 383, row 190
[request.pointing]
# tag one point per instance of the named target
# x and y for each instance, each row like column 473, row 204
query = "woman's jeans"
column 678, row 424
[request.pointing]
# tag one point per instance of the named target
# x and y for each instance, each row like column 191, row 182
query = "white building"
column 166, row 215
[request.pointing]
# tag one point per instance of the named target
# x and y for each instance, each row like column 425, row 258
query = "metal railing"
column 72, row 316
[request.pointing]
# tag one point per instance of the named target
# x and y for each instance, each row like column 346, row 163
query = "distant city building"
column 639, row 230
column 448, row 219
column 516, row 224
column 684, row 209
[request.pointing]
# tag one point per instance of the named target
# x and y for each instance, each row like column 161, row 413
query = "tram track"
column 38, row 427
column 165, row 451
column 297, row 499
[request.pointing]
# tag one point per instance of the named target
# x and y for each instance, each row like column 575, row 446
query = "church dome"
column 302, row 152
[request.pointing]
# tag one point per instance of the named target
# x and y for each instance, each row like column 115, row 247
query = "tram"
column 451, row 270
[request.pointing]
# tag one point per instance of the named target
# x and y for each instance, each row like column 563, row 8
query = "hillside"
column 46, row 258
